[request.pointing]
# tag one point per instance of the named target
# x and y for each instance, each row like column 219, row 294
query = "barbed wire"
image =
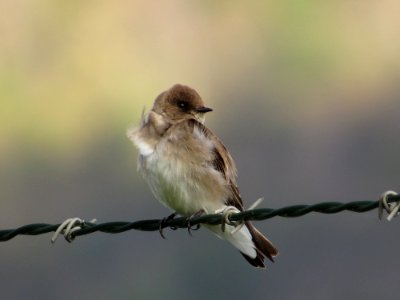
column 212, row 219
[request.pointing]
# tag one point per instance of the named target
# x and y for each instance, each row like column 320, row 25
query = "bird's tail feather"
column 263, row 246
column 251, row 243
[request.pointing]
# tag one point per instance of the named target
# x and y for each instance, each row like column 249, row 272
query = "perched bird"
column 190, row 170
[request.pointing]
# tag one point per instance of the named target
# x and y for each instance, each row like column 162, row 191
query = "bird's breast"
column 183, row 180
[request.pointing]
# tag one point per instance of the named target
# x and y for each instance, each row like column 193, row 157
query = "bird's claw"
column 163, row 223
column 196, row 226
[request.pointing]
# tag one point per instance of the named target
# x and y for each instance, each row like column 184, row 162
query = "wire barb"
column 226, row 213
column 69, row 231
column 68, row 227
column 391, row 208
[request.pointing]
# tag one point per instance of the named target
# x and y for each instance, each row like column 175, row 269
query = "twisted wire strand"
column 211, row 219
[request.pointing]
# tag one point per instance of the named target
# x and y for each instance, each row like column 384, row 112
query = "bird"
column 190, row 170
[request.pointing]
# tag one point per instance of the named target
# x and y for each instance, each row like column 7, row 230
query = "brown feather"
column 223, row 162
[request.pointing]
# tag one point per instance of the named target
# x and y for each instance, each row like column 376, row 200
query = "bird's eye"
column 182, row 105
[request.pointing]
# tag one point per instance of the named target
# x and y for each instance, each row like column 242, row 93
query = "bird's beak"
column 203, row 109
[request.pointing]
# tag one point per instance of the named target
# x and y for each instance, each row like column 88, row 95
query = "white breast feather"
column 145, row 149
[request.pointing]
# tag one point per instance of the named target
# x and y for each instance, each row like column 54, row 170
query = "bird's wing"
column 222, row 162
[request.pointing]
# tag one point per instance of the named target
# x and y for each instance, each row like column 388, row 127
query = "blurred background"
column 305, row 96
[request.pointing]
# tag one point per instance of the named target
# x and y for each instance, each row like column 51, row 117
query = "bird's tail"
column 263, row 246
column 251, row 243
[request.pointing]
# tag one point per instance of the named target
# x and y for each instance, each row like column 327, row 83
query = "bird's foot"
column 163, row 223
column 197, row 226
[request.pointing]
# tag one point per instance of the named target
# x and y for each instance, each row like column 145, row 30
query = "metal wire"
column 212, row 219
